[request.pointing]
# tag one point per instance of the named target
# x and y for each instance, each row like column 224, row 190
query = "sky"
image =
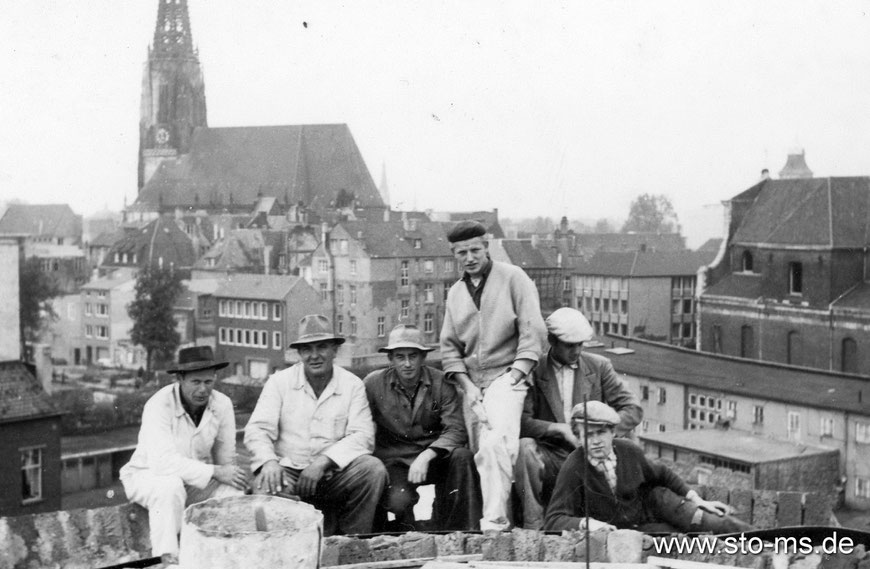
column 537, row 108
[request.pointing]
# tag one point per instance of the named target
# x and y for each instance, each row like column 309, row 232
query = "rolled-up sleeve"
column 164, row 459
column 261, row 432
column 359, row 437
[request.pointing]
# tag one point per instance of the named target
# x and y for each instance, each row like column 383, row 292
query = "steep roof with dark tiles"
column 21, row 395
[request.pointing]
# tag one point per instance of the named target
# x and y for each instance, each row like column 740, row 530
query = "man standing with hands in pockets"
column 493, row 336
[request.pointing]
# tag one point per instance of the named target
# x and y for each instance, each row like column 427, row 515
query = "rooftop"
column 256, row 287
column 645, row 264
column 21, row 395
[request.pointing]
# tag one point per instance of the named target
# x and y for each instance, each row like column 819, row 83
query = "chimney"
column 534, row 240
column 386, row 215
column 563, row 224
column 559, row 260
column 267, row 255
column 765, row 174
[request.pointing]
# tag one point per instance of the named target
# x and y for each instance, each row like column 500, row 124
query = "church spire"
column 172, row 36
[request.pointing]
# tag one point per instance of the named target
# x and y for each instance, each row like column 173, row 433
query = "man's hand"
column 271, row 478
column 306, row 484
column 231, row 475
column 713, row 507
column 596, row 525
column 420, row 467
column 563, row 431
column 470, row 391
column 518, row 376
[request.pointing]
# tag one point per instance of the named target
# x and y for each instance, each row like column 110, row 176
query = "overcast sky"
column 537, row 108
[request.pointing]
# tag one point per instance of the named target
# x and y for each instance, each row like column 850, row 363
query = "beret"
column 466, row 229
column 595, row 412
column 569, row 326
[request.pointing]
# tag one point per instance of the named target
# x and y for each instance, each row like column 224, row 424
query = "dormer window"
column 795, row 278
column 746, row 262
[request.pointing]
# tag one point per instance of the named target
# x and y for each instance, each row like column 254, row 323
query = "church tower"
column 173, row 90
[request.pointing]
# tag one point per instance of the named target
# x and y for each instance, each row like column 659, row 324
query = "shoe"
column 169, row 560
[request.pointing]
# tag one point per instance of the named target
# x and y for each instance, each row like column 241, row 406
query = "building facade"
column 105, row 323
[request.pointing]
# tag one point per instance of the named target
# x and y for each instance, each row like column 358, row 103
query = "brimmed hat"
column 315, row 328
column 569, row 326
column 405, row 336
column 196, row 358
column 595, row 413
column 467, row 229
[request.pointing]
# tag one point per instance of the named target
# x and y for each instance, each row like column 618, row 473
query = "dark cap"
column 466, row 229
column 196, row 358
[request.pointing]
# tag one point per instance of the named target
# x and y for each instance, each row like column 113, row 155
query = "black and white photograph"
column 440, row 285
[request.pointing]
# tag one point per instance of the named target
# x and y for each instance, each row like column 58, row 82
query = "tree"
column 35, row 291
column 650, row 213
column 151, row 311
column 603, row 225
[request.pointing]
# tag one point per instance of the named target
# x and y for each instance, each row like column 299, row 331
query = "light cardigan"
column 507, row 328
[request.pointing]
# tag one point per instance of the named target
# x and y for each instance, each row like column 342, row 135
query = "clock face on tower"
column 162, row 136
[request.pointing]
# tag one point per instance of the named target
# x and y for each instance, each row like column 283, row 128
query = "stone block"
column 717, row 493
column 741, row 501
column 624, row 546
column 789, row 509
column 817, row 510
column 13, row 548
column 330, row 550
column 597, row 547
column 497, row 546
column 474, row 543
column 385, row 548
column 415, row 545
column 450, row 544
column 528, row 545
column 354, row 550
column 559, row 547
column 764, row 509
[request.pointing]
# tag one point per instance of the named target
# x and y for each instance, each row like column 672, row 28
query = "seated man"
column 311, row 435
column 420, row 436
column 186, row 451
column 566, row 378
column 624, row 489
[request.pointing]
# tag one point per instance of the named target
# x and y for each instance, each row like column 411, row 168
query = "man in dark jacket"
column 567, row 376
column 623, row 488
column 420, row 436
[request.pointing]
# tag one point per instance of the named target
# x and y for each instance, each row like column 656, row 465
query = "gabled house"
column 162, row 242
column 53, row 224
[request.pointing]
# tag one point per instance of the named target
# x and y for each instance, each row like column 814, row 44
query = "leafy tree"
column 35, row 291
column 603, row 225
column 151, row 311
column 651, row 213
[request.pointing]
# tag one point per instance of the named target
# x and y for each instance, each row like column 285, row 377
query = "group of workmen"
column 520, row 427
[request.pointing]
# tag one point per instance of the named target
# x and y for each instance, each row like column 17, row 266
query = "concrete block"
column 789, row 509
column 559, row 547
column 741, row 501
column 624, row 546
column 450, row 544
column 385, row 548
column 597, row 547
column 764, row 509
column 474, row 543
column 817, row 510
column 415, row 545
column 330, row 550
column 354, row 550
column 528, row 545
column 717, row 493
column 497, row 546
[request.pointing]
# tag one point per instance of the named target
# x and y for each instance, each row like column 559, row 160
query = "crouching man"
column 420, row 436
column 186, row 451
column 624, row 489
column 311, row 435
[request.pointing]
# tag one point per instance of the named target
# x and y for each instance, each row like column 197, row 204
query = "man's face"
column 407, row 362
column 471, row 255
column 600, row 440
column 317, row 358
column 565, row 353
column 196, row 387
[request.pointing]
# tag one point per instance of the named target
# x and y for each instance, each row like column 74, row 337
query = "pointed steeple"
column 384, row 188
column 172, row 36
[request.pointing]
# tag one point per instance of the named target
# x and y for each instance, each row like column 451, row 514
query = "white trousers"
column 497, row 447
column 165, row 497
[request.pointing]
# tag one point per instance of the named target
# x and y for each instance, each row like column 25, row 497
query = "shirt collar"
column 558, row 366
column 299, row 379
column 484, row 273
column 179, row 406
column 424, row 378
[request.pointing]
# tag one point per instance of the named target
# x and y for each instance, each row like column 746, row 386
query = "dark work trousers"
column 458, row 502
column 535, row 473
column 349, row 497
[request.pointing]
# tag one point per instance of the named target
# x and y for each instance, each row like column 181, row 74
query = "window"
column 693, row 413
column 862, row 432
column 732, row 410
column 322, row 265
column 222, row 308
column 623, row 307
column 102, row 294
column 862, row 487
column 687, row 306
column 427, row 323
column 717, row 339
column 605, row 305
column 102, row 332
column 418, row 243
column 757, row 415
column 597, row 305
column 89, row 330
column 264, row 311
column 795, row 278
column 276, row 311
column 382, row 327
column 428, row 293
column 826, row 427
column 231, row 311
column 644, row 392
column 794, row 424
column 247, row 337
column 693, row 399
column 566, row 284
column 276, row 341
column 661, row 428
column 231, row 336
column 352, row 289
column 324, row 294
column 88, row 309
column 849, row 356
column 403, row 274
column 663, row 396
column 342, row 245
column 746, row 262
column 339, row 324
column 339, row 294
column 255, row 310
column 645, row 426
column 353, row 325
column 31, row 475
column 406, row 305
column 428, row 266
column 247, row 309
column 448, row 265
column 353, row 267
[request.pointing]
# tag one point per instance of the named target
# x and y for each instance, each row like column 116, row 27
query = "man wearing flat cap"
column 186, row 450
column 492, row 338
column 420, row 436
column 311, row 435
column 566, row 377
column 623, row 488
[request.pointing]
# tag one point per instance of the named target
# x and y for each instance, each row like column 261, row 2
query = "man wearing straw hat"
column 566, row 377
column 311, row 435
column 186, row 451
column 623, row 489
column 420, row 436
column 492, row 337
